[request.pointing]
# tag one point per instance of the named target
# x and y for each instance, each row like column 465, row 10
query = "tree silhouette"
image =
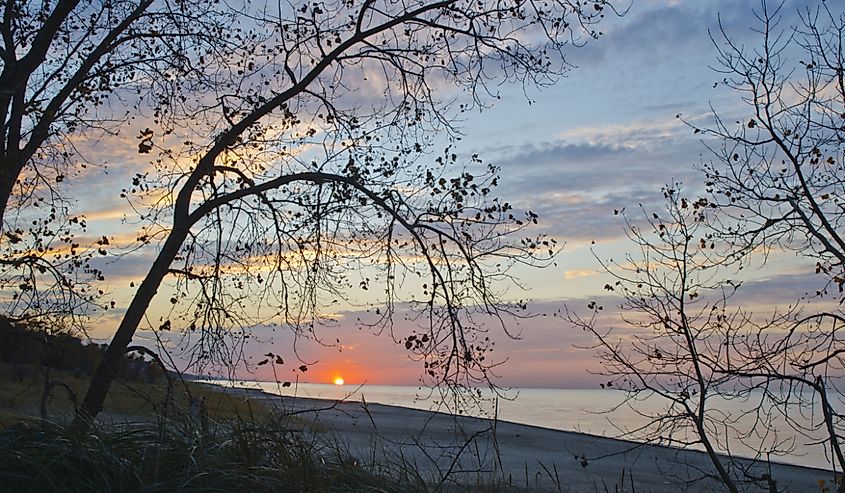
column 778, row 183
column 778, row 178
column 675, row 321
column 69, row 70
column 685, row 341
column 776, row 186
column 319, row 176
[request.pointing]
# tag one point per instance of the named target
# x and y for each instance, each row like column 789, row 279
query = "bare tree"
column 320, row 178
column 776, row 187
column 682, row 343
column 67, row 63
column 778, row 182
column 778, row 177
column 69, row 70
column 675, row 320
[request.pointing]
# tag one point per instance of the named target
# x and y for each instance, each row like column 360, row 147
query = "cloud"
column 656, row 31
column 575, row 183
column 650, row 134
column 548, row 352
column 575, row 274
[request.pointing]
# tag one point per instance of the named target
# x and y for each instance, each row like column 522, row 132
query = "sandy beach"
column 465, row 453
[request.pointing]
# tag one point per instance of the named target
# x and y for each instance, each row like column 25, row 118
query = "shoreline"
column 464, row 450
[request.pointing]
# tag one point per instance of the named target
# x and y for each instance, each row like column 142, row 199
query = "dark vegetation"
column 25, row 348
column 159, row 432
column 180, row 457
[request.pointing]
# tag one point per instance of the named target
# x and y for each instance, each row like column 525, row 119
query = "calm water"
column 599, row 412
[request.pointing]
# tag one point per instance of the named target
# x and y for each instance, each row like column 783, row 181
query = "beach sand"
column 465, row 454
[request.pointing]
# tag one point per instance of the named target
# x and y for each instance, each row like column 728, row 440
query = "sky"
column 603, row 138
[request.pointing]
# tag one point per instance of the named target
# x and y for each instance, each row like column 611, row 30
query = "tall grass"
column 234, row 456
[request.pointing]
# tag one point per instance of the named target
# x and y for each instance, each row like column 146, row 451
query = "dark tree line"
column 28, row 349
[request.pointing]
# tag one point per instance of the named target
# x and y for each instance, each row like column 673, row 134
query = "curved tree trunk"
column 104, row 375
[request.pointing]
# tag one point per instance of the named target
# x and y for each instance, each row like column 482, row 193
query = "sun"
column 338, row 381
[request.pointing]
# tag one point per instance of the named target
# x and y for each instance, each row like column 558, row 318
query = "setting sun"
column 338, row 381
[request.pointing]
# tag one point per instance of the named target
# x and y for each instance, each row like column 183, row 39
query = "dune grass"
column 180, row 457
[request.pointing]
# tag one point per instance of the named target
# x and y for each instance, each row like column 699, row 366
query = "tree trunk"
column 714, row 457
column 827, row 411
column 104, row 374
column 9, row 172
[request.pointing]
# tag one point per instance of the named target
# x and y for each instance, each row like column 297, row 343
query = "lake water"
column 598, row 412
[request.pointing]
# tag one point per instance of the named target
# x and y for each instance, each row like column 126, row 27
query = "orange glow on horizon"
column 338, row 381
